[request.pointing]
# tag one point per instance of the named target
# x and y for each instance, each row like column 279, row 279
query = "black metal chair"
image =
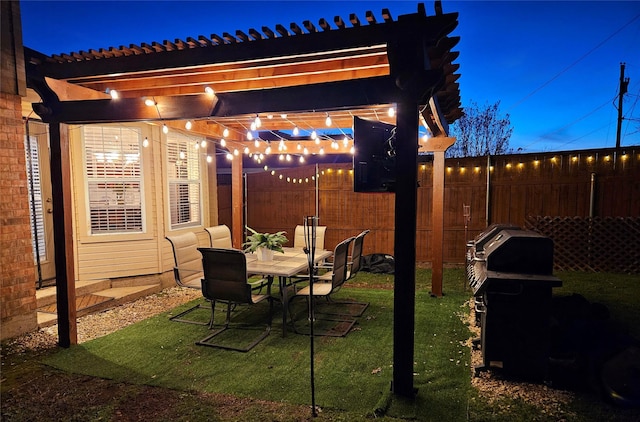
column 225, row 279
column 324, row 286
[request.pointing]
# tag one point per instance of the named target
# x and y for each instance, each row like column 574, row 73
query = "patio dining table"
column 284, row 266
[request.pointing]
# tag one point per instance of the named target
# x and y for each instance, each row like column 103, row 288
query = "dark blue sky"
column 553, row 65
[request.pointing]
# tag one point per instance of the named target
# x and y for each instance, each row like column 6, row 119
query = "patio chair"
column 299, row 239
column 225, row 279
column 219, row 236
column 349, row 308
column 324, row 286
column 187, row 269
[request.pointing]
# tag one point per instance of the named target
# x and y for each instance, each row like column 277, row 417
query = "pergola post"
column 63, row 234
column 237, row 200
column 438, row 145
column 405, row 247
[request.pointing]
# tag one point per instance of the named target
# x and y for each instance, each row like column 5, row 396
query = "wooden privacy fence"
column 600, row 183
column 592, row 244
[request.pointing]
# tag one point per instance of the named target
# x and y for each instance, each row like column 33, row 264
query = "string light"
column 223, row 143
column 113, row 93
column 296, row 131
column 236, row 152
column 149, row 102
column 249, row 135
column 203, row 144
column 345, row 141
column 229, row 156
column 246, row 150
column 327, row 121
column 268, row 149
column 165, row 129
column 282, row 146
column 301, row 159
column 391, row 112
column 256, row 143
column 225, row 132
column 145, row 143
column 209, row 159
column 257, row 121
column 321, row 151
column 208, row 90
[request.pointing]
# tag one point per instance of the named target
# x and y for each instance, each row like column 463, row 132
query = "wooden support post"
column 237, row 199
column 438, row 145
column 405, row 247
column 63, row 234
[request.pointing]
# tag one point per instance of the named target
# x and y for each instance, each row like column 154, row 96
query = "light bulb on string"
column 321, row 151
column 281, row 157
column 296, row 131
column 298, row 147
column 327, row 121
column 188, row 125
column 352, row 150
column 113, row 93
column 225, row 132
column 165, row 129
column 345, row 141
column 266, row 168
column 301, row 159
column 305, row 151
column 391, row 112
column 209, row 91
column 282, row 146
column 209, row 159
column 268, row 150
column 223, row 143
column 203, row 144
column 253, row 126
column 288, row 157
column 257, row 121
column 246, row 150
column 256, row 143
column 314, row 135
column 249, row 135
column 182, row 155
column 229, row 156
column 149, row 102
column 145, row 143
column 236, row 152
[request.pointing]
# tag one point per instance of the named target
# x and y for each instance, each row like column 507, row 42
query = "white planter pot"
column 265, row 254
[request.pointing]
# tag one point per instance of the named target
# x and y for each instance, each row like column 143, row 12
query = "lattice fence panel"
column 610, row 244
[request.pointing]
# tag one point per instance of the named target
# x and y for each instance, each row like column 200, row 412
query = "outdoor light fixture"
column 249, row 135
column 301, row 159
column 165, row 129
column 282, row 146
column 188, row 125
column 209, row 159
column 314, row 135
column 257, row 121
column 229, row 156
column 203, row 144
column 296, row 131
column 391, row 112
column 256, row 143
column 208, row 90
column 149, row 102
column 223, row 143
column 327, row 121
column 145, row 143
column 345, row 141
column 225, row 132
column 246, row 150
column 321, row 151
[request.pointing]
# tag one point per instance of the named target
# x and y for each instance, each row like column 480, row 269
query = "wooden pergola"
column 288, row 77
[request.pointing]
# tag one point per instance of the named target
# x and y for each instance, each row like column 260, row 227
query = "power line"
column 572, row 64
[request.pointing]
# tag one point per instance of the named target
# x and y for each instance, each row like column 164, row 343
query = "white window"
column 36, row 212
column 183, row 166
column 114, row 179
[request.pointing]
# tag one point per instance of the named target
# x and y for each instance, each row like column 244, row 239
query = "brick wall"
column 17, row 272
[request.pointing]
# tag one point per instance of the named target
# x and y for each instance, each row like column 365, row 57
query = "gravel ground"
column 100, row 324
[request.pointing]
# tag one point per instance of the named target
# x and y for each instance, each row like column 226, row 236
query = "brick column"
column 18, row 291
column 17, row 271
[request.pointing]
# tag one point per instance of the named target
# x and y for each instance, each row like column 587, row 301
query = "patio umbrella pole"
column 310, row 224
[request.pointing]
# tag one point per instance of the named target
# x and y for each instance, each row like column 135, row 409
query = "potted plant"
column 264, row 243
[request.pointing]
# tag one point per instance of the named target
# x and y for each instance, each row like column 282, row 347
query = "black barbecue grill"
column 510, row 273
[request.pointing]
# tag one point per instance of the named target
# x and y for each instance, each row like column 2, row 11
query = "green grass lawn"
column 353, row 373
